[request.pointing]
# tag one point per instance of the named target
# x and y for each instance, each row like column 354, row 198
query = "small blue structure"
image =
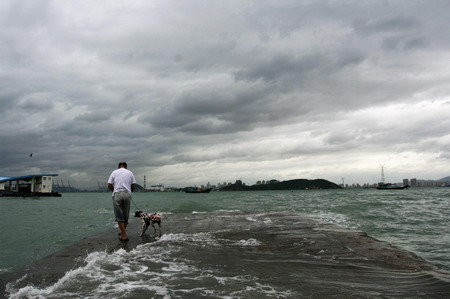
column 28, row 185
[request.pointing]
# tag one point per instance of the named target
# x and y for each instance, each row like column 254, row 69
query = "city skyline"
column 412, row 182
column 194, row 91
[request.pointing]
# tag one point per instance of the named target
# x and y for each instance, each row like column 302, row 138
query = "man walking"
column 122, row 182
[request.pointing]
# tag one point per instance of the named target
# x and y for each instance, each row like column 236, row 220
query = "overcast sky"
column 194, row 91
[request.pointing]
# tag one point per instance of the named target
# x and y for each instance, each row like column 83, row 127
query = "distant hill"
column 446, row 179
column 298, row 184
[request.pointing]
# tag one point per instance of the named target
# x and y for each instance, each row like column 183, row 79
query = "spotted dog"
column 149, row 219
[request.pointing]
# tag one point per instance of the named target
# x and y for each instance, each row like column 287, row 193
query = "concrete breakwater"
column 237, row 254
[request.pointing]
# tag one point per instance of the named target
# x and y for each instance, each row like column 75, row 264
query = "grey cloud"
column 210, row 111
column 209, row 102
column 206, row 126
column 389, row 24
column 26, row 14
column 94, row 116
column 281, row 66
column 445, row 155
column 278, row 67
column 203, row 112
column 176, row 82
column 347, row 138
column 392, row 43
column 36, row 103
column 273, row 21
column 396, row 43
column 415, row 43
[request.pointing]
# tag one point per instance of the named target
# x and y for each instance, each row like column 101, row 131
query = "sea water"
column 415, row 220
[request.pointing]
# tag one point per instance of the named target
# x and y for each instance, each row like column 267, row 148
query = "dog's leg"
column 159, row 227
column 144, row 227
column 154, row 228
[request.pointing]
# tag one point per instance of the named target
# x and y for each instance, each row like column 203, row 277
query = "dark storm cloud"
column 244, row 105
column 212, row 110
column 94, row 116
column 281, row 68
column 220, row 84
column 383, row 24
column 407, row 44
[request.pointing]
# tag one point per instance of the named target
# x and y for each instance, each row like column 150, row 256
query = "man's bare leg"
column 123, row 230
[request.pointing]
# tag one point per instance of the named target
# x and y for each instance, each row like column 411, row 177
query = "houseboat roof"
column 24, row 177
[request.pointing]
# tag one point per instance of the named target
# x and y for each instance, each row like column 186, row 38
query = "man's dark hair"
column 124, row 164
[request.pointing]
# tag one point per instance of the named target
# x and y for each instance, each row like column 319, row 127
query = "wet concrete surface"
column 314, row 258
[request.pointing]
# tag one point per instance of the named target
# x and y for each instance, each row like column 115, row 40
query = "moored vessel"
column 196, row 190
column 388, row 186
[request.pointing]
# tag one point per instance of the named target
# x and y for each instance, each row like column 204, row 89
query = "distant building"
column 405, row 182
column 444, row 183
column 414, row 182
column 158, row 188
column 426, row 183
column 28, row 185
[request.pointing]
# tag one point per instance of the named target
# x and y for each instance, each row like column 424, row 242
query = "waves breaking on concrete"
column 232, row 254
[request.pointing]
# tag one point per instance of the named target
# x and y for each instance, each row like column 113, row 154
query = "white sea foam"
column 259, row 218
column 338, row 219
column 248, row 243
column 177, row 268
column 166, row 268
column 269, row 291
column 228, row 211
column 260, row 214
column 198, row 238
column 112, row 275
column 34, row 292
column 4, row 270
column 264, row 290
column 234, row 279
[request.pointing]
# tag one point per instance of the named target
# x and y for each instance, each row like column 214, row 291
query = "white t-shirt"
column 122, row 179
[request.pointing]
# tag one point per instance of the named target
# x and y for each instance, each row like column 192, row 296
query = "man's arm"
column 132, row 187
column 111, row 187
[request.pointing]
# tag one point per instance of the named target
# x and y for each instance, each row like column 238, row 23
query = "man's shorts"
column 121, row 203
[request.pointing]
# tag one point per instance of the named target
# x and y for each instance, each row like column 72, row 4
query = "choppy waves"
column 244, row 255
column 162, row 269
column 204, row 263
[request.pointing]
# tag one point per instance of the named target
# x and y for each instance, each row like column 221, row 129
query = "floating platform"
column 31, row 194
column 266, row 254
column 33, row 185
